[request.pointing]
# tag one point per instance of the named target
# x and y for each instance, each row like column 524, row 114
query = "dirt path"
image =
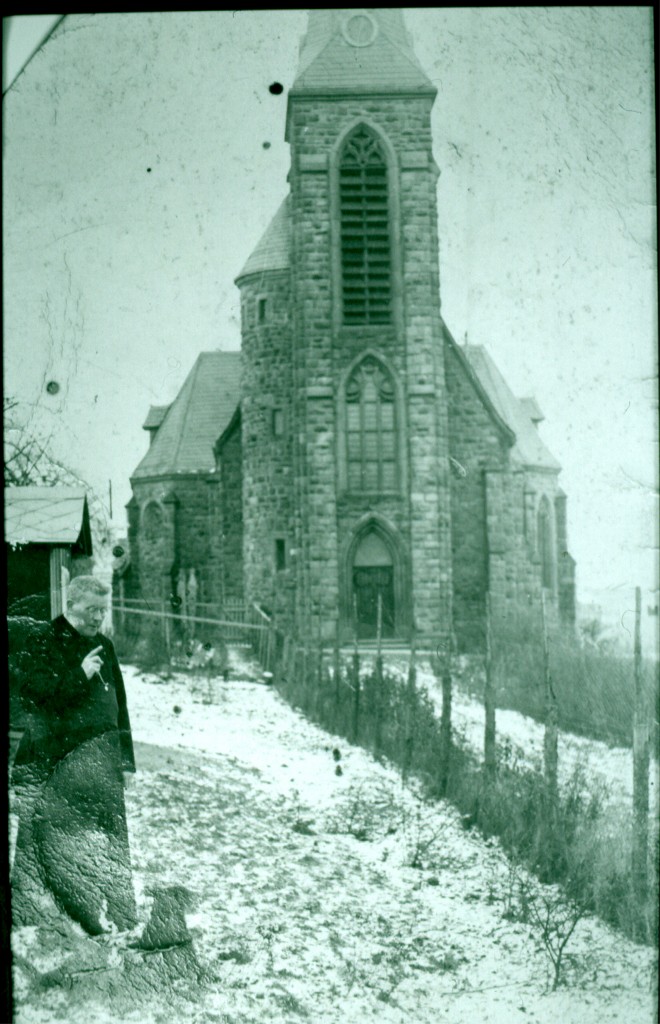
column 306, row 907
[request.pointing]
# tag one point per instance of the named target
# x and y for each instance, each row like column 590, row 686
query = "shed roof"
column 48, row 515
column 196, row 418
column 528, row 450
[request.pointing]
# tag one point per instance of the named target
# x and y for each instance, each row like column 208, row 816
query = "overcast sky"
column 144, row 156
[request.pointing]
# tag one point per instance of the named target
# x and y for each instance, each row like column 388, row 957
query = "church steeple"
column 359, row 50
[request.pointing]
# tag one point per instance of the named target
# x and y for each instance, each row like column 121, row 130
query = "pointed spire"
column 359, row 50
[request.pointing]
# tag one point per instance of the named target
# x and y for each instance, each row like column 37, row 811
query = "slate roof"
column 329, row 65
column 155, row 417
column 528, row 450
column 196, row 418
column 47, row 515
column 272, row 251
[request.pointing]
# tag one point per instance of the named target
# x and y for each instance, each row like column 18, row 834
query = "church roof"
column 528, row 449
column 357, row 51
column 196, row 418
column 272, row 251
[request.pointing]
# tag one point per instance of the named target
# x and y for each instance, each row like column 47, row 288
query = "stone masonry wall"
column 266, row 439
column 477, row 445
column 411, row 344
column 494, row 515
column 186, row 540
column 155, row 555
column 231, row 519
column 133, row 533
column 514, row 565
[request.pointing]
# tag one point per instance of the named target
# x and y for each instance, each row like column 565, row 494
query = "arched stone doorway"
column 373, row 585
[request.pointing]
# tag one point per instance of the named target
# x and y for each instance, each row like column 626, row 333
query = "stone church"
column 353, row 468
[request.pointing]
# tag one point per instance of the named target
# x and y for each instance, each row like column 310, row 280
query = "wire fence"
column 164, row 635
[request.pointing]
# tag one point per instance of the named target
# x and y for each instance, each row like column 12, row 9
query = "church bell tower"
column 354, row 357
column 371, row 459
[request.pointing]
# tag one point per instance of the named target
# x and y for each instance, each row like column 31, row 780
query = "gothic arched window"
column 371, row 429
column 544, row 539
column 364, row 230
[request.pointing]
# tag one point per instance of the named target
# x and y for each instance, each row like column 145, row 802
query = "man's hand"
column 91, row 663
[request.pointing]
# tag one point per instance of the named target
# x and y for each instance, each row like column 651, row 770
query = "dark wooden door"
column 368, row 583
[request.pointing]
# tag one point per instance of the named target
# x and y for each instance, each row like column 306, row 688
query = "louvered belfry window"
column 365, row 235
column 371, row 429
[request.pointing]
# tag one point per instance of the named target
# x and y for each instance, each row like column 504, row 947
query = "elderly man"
column 72, row 847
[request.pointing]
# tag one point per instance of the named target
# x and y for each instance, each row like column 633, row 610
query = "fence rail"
column 163, row 635
column 188, row 618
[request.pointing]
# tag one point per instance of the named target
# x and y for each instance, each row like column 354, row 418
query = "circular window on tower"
column 359, row 28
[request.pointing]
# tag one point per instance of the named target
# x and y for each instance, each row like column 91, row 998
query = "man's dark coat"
column 64, row 707
column 73, row 843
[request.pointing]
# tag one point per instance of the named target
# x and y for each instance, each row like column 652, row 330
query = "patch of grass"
column 594, row 686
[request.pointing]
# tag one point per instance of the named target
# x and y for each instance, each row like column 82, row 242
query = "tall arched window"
column 371, row 429
column 365, row 233
column 544, row 538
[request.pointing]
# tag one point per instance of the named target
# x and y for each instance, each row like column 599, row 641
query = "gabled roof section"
column 195, row 419
column 528, row 450
column 502, row 426
column 273, row 251
column 155, row 417
column 358, row 50
column 233, row 425
column 48, row 515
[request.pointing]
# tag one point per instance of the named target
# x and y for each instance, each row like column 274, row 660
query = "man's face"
column 86, row 613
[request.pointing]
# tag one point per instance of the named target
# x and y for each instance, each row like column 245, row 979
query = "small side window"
column 261, row 310
column 280, row 554
column 278, row 422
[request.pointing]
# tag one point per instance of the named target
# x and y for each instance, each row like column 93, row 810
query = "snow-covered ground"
column 298, row 849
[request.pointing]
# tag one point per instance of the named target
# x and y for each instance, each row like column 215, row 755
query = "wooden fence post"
column 378, row 680
column 640, row 768
column 445, row 722
column 356, row 679
column 489, row 697
column 551, row 734
column 336, row 667
column 270, row 648
column 320, row 683
column 409, row 719
column 166, row 631
column 284, row 666
column 122, row 606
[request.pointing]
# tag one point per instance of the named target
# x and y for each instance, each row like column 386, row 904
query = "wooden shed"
column 46, row 530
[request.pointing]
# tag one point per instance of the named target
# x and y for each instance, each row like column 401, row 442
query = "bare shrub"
column 423, row 834
column 366, row 811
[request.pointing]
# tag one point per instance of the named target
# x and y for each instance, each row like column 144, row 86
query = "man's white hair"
column 80, row 586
